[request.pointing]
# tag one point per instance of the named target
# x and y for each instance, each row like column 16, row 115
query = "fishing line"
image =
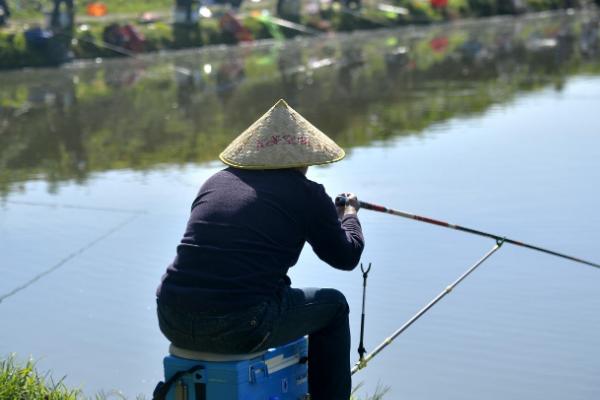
column 67, row 258
column 75, row 206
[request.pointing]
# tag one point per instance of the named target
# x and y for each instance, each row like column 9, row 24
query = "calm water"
column 492, row 125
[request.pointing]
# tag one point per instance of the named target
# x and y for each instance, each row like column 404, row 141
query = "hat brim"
column 284, row 166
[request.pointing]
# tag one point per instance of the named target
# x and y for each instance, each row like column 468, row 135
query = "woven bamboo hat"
column 281, row 138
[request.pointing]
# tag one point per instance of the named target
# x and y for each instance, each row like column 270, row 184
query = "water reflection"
column 66, row 123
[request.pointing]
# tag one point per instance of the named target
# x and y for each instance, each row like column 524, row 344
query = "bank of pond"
column 31, row 45
column 22, row 380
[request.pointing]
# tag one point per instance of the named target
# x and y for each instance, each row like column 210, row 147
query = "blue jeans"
column 322, row 314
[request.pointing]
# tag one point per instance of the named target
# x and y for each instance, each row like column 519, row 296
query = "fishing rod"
column 342, row 201
column 112, row 47
column 289, row 24
column 99, row 43
column 362, row 362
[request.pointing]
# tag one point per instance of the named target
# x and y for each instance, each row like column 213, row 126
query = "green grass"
column 380, row 392
column 132, row 6
column 34, row 9
column 23, row 382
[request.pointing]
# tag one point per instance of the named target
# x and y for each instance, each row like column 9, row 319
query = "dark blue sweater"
column 246, row 229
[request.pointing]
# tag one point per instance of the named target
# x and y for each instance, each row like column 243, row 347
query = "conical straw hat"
column 281, row 138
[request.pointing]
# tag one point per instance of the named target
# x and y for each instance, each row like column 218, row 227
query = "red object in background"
column 439, row 3
column 96, row 9
column 231, row 24
column 134, row 40
column 439, row 44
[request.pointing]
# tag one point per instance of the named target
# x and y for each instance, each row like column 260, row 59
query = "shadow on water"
column 361, row 88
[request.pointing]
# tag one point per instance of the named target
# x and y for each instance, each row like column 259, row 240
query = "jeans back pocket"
column 239, row 332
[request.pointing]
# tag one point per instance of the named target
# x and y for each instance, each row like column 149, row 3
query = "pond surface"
column 492, row 125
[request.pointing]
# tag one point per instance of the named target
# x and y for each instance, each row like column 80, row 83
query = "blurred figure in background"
column 289, row 10
column 184, row 12
column 4, row 12
column 62, row 20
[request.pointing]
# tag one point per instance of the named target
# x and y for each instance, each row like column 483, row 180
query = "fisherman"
column 227, row 291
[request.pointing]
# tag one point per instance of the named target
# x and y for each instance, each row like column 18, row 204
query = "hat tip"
column 281, row 103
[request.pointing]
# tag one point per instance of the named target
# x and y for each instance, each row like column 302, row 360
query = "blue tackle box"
column 277, row 374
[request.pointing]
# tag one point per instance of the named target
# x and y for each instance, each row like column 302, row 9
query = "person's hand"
column 351, row 207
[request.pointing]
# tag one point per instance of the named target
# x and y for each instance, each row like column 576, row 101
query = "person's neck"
column 302, row 170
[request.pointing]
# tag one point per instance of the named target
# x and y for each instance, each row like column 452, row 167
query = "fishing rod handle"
column 342, row 201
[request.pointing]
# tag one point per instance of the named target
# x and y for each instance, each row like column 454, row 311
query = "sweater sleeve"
column 338, row 243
